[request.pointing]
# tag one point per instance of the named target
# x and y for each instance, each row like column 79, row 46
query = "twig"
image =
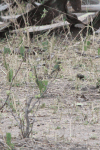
column 15, row 119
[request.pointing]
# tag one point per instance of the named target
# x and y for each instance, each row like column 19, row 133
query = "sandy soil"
column 68, row 116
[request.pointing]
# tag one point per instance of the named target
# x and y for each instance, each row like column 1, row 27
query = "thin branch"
column 26, row 134
column 15, row 119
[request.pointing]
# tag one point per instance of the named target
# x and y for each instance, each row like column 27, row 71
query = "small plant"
column 22, row 52
column 12, row 107
column 8, row 141
column 6, row 65
column 56, row 67
column 44, row 13
column 6, row 51
column 86, row 123
column 87, row 45
column 58, row 128
column 45, row 45
column 10, row 75
column 31, row 77
column 98, row 51
column 42, row 85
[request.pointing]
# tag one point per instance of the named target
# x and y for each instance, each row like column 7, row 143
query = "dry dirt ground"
column 68, row 117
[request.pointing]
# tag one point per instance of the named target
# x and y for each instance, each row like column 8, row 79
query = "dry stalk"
column 11, row 85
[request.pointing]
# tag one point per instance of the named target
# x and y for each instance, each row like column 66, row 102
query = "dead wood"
column 87, row 8
column 45, row 13
column 94, row 25
column 96, row 21
column 85, row 18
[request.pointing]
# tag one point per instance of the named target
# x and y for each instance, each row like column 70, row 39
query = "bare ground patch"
column 68, row 116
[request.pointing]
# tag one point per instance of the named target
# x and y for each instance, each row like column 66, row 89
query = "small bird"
column 56, row 67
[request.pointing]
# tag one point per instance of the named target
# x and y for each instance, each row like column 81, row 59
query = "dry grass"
column 68, row 114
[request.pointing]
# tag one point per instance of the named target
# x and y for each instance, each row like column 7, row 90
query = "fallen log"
column 44, row 14
column 40, row 28
column 84, row 8
column 87, row 8
column 85, row 18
